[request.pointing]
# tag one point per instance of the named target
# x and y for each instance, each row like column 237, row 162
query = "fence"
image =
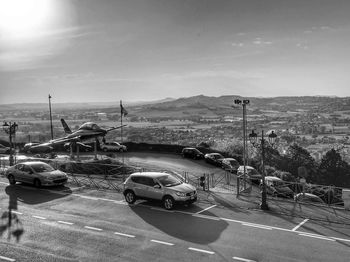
column 110, row 176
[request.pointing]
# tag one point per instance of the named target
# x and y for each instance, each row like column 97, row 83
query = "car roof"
column 150, row 174
column 273, row 178
column 229, row 159
column 30, row 163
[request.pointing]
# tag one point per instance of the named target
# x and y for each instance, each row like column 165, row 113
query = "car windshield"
column 169, row 181
column 39, row 168
column 218, row 156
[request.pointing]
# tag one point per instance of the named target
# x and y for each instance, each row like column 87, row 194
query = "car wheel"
column 130, row 197
column 168, row 202
column 12, row 180
column 37, row 183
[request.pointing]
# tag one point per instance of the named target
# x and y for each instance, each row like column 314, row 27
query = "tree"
column 333, row 170
column 296, row 157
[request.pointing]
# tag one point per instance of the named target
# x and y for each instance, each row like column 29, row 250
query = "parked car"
column 82, row 147
column 277, row 187
column 308, row 197
column 37, row 173
column 158, row 186
column 4, row 149
column 32, row 148
column 251, row 173
column 230, row 164
column 192, row 152
column 214, row 159
column 113, row 146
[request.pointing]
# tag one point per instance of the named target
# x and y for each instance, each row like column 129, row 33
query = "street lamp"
column 253, row 137
column 10, row 129
column 244, row 103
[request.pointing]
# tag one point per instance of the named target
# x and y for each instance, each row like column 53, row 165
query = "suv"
column 251, row 173
column 113, row 146
column 192, row 152
column 277, row 187
column 158, row 186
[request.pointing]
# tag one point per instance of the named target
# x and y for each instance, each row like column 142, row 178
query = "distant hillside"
column 224, row 105
column 197, row 106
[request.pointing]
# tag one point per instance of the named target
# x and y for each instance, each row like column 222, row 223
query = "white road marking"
column 340, row 239
column 7, row 259
column 93, row 228
column 43, row 218
column 243, row 259
column 257, row 226
column 316, row 236
column 206, row 209
column 124, row 235
column 206, row 217
column 201, row 250
column 302, row 223
column 162, row 242
column 16, row 212
column 66, row 223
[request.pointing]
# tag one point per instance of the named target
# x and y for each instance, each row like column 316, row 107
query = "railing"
column 105, row 176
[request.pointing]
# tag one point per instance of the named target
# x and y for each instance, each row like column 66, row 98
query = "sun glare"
column 24, row 18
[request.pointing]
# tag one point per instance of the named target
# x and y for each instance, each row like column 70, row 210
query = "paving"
column 280, row 206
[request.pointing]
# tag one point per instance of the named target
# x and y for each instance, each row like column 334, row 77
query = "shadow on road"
column 182, row 226
column 32, row 196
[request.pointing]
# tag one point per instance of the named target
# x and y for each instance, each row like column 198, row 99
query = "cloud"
column 213, row 74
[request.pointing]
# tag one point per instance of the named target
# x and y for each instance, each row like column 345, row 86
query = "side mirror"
column 157, row 186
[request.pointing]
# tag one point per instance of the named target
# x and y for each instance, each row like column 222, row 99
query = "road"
column 78, row 224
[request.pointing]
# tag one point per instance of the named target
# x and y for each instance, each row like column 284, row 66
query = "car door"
column 140, row 186
column 154, row 189
column 28, row 174
column 19, row 173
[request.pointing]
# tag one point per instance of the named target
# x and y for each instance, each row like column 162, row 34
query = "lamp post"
column 10, row 129
column 244, row 104
column 253, row 137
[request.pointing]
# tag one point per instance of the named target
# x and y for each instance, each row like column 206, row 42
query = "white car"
column 37, row 173
column 164, row 187
column 113, row 146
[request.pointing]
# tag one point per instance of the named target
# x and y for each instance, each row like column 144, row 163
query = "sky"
column 142, row 50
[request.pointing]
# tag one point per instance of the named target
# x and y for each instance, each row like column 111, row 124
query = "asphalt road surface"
column 77, row 224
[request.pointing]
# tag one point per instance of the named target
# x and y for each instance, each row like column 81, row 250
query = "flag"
column 123, row 110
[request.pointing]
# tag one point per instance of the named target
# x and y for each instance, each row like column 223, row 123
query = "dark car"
column 191, row 152
column 230, row 164
column 4, row 149
column 214, row 158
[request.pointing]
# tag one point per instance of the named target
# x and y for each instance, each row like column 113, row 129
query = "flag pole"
column 121, row 122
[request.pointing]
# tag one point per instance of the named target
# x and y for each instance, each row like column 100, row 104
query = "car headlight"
column 180, row 194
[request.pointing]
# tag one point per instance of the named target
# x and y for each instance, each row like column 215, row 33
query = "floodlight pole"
column 244, row 104
column 50, row 117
